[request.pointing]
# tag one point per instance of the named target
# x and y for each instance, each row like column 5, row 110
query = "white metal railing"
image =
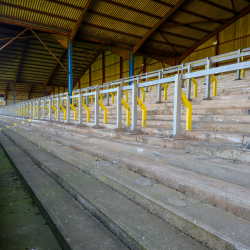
column 43, row 107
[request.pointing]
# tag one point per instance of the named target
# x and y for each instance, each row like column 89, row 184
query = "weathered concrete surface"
column 225, row 195
column 21, row 224
column 123, row 217
column 207, row 224
column 73, row 226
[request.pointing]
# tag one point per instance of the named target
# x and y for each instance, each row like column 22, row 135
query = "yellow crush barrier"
column 7, row 126
column 195, row 87
column 64, row 112
column 126, row 93
column 22, row 122
column 15, row 124
column 100, row 97
column 105, row 118
column 188, row 105
column 144, row 111
column 29, row 120
column 165, row 86
column 113, row 97
column 214, row 80
column 75, row 112
column 125, row 105
column 88, row 111
column 143, row 94
column 243, row 70
column 55, row 110
column 91, row 97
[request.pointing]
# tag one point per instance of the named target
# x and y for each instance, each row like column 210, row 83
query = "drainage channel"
column 21, row 224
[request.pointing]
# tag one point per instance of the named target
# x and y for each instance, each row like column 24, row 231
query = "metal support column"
column 119, row 111
column 43, row 92
column 131, row 65
column 107, row 104
column 134, row 109
column 138, row 91
column 44, row 109
column 238, row 71
column 182, row 71
column 96, row 108
column 34, row 110
column 189, row 82
column 87, row 98
column 80, row 108
column 58, row 108
column 68, row 108
column 38, row 109
column 159, row 88
column 31, row 109
column 50, row 109
column 70, row 69
column 208, row 80
column 177, row 105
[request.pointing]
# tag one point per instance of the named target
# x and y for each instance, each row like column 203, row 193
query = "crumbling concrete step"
column 219, row 193
column 222, row 150
column 136, row 227
column 72, row 225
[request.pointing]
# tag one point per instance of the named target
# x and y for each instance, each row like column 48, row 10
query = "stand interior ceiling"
column 163, row 28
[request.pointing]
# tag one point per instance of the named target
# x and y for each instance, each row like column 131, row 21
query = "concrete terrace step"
column 184, row 212
column 218, row 193
column 72, row 225
column 136, row 227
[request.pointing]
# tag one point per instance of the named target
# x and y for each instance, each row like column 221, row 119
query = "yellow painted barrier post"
column 54, row 109
column 143, row 94
column 214, row 85
column 188, row 106
column 126, row 93
column 91, row 98
column 105, row 118
column 64, row 111
column 195, row 87
column 144, row 112
column 113, row 97
column 75, row 112
column 125, row 105
column 243, row 70
column 165, row 86
column 100, row 98
column 88, row 111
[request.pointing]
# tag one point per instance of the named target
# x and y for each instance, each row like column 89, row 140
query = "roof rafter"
column 80, row 20
column 36, row 11
column 241, row 14
column 169, row 43
column 65, row 4
column 167, row 15
column 20, row 61
column 217, row 5
column 85, row 70
column 35, row 25
column 232, row 3
column 54, row 68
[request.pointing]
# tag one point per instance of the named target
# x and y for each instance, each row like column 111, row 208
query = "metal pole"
column 182, row 71
column 96, row 108
column 44, row 108
column 58, row 108
column 146, row 81
column 38, row 109
column 131, row 65
column 68, row 108
column 50, row 109
column 43, row 92
column 159, row 88
column 119, row 111
column 80, row 107
column 138, row 91
column 87, row 98
column 34, row 110
column 107, row 104
column 134, row 108
column 31, row 110
column 70, row 70
column 238, row 71
column 14, row 95
column 189, row 86
column 208, row 80
column 177, row 105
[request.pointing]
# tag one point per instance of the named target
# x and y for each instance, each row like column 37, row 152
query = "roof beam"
column 80, row 20
column 32, row 24
column 14, row 38
column 183, row 24
column 20, row 61
column 65, row 4
column 241, row 14
column 49, row 50
column 84, row 70
column 232, row 3
column 192, row 27
column 170, row 13
column 169, row 43
column 36, row 11
column 217, row 6
column 54, row 68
